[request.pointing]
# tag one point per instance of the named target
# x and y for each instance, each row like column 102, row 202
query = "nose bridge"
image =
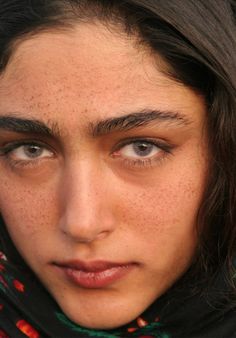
column 81, row 187
column 85, row 215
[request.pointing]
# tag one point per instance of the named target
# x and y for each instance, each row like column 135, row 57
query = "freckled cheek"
column 27, row 211
column 160, row 226
column 160, row 209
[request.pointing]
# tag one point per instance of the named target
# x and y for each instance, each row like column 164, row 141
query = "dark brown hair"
column 197, row 39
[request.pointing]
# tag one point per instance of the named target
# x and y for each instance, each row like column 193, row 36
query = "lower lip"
column 98, row 279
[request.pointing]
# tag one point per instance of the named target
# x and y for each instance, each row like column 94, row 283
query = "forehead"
column 91, row 70
column 87, row 54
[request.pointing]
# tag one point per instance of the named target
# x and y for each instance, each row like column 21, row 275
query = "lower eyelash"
column 21, row 164
column 148, row 162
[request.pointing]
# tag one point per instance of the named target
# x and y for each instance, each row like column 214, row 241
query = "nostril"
column 102, row 235
column 81, row 234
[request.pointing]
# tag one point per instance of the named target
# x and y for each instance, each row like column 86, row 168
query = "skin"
column 91, row 197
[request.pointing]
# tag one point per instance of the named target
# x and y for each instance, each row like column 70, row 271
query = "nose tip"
column 87, row 227
column 87, row 237
column 87, row 213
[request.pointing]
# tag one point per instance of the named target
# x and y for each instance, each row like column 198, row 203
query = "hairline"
column 64, row 24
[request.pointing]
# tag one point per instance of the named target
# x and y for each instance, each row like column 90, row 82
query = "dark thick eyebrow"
column 28, row 126
column 103, row 127
column 137, row 119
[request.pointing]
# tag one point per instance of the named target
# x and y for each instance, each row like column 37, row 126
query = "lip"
column 94, row 274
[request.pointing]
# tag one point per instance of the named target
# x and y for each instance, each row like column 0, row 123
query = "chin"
column 102, row 321
column 101, row 317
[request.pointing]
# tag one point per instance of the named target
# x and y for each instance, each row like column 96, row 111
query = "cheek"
column 30, row 216
column 162, row 205
column 27, row 211
column 162, row 218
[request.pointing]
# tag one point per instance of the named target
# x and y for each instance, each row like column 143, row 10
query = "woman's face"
column 103, row 167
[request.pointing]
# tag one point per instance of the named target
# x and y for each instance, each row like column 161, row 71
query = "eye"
column 30, row 152
column 143, row 153
column 139, row 150
column 25, row 152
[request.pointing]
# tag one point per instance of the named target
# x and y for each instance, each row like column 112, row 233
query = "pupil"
column 143, row 149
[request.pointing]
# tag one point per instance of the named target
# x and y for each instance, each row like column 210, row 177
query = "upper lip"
column 91, row 266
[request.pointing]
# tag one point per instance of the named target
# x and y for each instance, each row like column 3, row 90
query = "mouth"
column 94, row 274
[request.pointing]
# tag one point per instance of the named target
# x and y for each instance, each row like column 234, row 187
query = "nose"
column 86, row 207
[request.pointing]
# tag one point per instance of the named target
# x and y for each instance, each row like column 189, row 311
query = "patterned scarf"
column 27, row 310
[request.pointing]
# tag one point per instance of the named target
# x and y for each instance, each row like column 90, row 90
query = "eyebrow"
column 103, row 127
column 138, row 119
column 28, row 126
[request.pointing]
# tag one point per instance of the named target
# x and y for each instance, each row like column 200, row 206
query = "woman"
column 117, row 190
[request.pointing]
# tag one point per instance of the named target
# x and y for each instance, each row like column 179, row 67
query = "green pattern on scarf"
column 77, row 328
column 95, row 333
